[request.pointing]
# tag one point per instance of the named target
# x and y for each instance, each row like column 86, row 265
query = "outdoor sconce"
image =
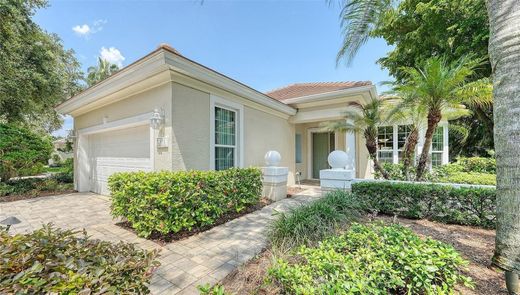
column 157, row 119
column 10, row 221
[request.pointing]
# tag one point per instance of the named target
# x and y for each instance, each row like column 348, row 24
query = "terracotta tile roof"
column 305, row 89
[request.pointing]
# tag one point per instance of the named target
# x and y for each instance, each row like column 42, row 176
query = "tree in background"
column 36, row 72
column 365, row 119
column 418, row 30
column 22, row 151
column 101, row 71
column 504, row 53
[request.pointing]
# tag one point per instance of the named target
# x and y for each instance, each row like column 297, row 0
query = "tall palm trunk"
column 408, row 151
column 434, row 117
column 371, row 144
column 504, row 52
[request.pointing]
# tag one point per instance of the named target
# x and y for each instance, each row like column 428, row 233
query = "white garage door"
column 117, row 151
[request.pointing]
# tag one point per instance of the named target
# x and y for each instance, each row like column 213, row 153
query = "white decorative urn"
column 338, row 159
column 272, row 158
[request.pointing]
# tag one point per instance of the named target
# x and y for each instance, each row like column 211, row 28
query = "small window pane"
column 438, row 139
column 298, row 148
column 436, row 159
column 385, row 141
column 224, row 158
column 224, row 126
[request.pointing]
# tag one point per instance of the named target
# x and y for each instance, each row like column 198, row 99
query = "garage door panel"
column 126, row 150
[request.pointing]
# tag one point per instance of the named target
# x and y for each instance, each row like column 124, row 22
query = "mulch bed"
column 163, row 239
column 475, row 244
column 12, row 198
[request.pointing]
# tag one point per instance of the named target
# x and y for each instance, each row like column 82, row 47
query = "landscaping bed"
column 476, row 245
column 28, row 188
column 162, row 239
column 167, row 205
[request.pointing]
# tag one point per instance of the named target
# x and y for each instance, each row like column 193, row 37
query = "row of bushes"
column 444, row 203
column 474, row 170
column 33, row 187
column 54, row 261
column 169, row 202
column 372, row 259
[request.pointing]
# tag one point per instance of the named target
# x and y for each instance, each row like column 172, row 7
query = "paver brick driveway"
column 204, row 258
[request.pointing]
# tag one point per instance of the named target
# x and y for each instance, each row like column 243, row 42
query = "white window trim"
column 216, row 101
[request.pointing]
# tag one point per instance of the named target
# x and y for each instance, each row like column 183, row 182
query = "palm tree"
column 365, row 118
column 101, row 71
column 504, row 52
column 359, row 17
column 438, row 86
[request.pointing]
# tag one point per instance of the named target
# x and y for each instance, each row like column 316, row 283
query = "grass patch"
column 309, row 224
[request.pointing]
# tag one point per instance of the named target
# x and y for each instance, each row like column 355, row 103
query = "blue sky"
column 264, row 44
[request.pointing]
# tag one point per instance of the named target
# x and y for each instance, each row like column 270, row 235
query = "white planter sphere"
column 338, row 159
column 272, row 158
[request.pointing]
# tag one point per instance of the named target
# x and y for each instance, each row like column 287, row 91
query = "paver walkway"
column 204, row 258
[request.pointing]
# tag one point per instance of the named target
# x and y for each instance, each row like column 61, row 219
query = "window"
column 402, row 134
column 385, row 141
column 298, row 152
column 225, row 138
column 437, row 146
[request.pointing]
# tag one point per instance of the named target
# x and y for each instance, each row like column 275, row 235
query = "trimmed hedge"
column 444, row 203
column 470, row 178
column 169, row 202
column 54, row 261
column 372, row 259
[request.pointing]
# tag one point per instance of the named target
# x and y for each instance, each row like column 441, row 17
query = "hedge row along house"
column 167, row 112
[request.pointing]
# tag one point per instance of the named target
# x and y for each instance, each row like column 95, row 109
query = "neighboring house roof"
column 306, row 89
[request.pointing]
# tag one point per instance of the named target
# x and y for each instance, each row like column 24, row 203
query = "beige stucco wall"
column 144, row 102
column 190, row 132
column 264, row 132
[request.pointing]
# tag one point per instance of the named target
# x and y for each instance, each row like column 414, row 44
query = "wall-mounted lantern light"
column 157, row 119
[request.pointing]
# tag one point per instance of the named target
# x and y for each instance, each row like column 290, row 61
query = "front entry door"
column 322, row 145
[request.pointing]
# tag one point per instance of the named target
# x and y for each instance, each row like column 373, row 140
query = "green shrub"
column 470, row 178
column 55, row 261
column 166, row 202
column 395, row 172
column 478, row 164
column 67, row 173
column 372, row 259
column 444, row 203
column 309, row 224
column 22, row 151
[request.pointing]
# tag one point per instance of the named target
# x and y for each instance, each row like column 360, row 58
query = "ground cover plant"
column 309, row 224
column 444, row 203
column 55, row 261
column 170, row 202
column 372, row 259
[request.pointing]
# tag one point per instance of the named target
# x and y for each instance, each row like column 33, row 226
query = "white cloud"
column 112, row 55
column 85, row 30
column 82, row 30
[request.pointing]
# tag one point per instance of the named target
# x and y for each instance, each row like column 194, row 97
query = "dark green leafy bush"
column 168, row 202
column 372, row 259
column 22, row 152
column 444, row 203
column 478, row 164
column 309, row 224
column 55, row 261
column 32, row 186
column 67, row 173
column 470, row 178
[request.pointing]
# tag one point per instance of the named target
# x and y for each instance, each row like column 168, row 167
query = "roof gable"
column 306, row 89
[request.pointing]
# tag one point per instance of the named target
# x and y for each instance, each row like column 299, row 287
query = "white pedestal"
column 334, row 179
column 275, row 182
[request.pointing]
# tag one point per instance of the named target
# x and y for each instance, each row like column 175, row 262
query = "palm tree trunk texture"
column 504, row 52
column 434, row 117
column 408, row 150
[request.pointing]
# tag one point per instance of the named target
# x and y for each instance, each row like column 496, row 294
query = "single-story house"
column 167, row 112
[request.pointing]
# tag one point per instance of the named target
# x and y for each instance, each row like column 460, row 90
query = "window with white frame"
column 402, row 134
column 225, row 138
column 437, row 146
column 385, row 141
